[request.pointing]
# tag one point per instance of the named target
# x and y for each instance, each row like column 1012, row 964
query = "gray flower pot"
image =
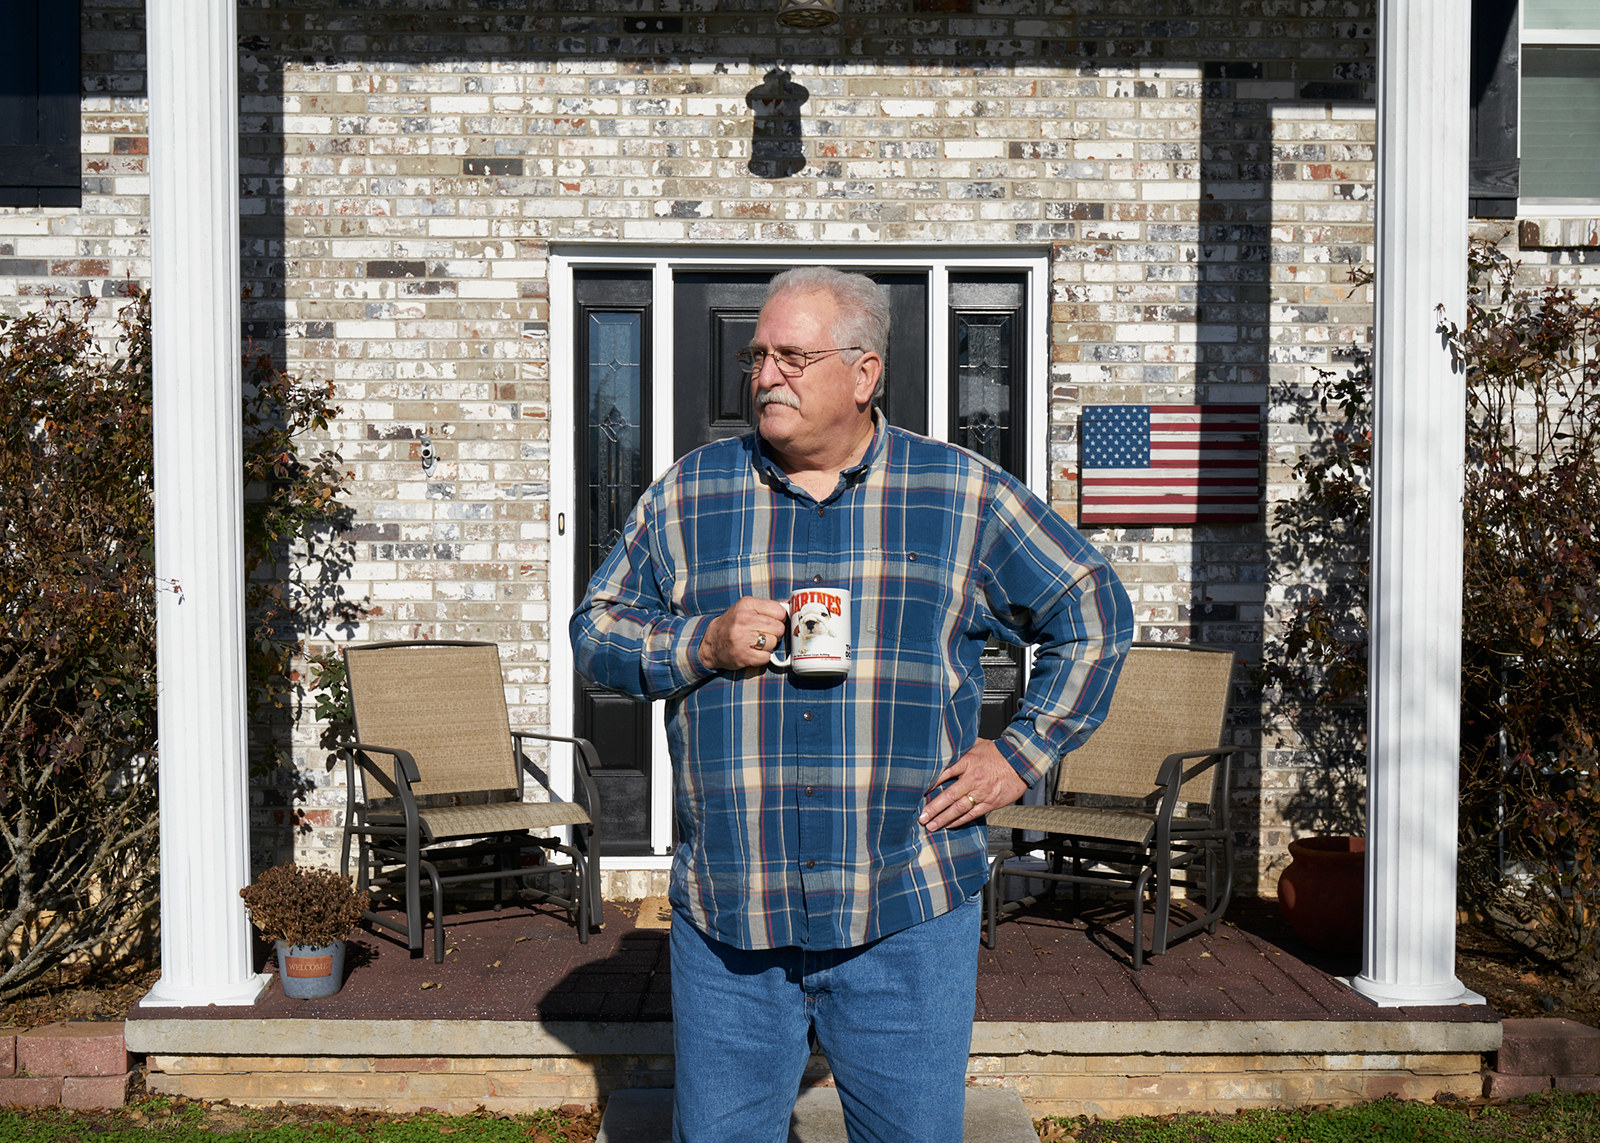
column 308, row 971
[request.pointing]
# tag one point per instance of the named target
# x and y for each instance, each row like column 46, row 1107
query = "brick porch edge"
column 1106, row 1068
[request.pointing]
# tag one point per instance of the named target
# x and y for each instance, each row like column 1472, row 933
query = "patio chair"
column 1145, row 797
column 435, row 781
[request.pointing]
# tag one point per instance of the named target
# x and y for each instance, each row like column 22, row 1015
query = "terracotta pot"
column 1322, row 890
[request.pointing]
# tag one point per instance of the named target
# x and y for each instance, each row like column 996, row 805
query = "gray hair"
column 863, row 317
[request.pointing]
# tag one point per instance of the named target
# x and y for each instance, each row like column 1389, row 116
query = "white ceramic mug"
column 819, row 633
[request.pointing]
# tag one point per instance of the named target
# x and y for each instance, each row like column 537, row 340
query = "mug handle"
column 778, row 658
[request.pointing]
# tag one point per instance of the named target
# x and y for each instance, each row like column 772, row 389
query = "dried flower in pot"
column 309, row 913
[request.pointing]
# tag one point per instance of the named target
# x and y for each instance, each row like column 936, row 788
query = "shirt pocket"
column 710, row 587
column 908, row 596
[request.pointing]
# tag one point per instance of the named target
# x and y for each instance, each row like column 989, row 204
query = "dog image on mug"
column 813, row 630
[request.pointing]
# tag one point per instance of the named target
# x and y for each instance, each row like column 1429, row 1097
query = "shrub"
column 1315, row 672
column 296, row 561
column 77, row 617
column 303, row 906
column 77, row 662
column 1530, row 776
column 1530, row 783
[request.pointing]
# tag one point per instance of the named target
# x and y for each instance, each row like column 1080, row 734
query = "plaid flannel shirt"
column 797, row 799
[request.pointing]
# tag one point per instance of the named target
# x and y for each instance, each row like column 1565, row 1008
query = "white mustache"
column 776, row 397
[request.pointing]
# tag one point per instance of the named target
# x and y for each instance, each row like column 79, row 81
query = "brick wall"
column 1201, row 179
column 1050, row 1083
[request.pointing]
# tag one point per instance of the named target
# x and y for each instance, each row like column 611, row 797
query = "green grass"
column 1540, row 1119
column 157, row 1120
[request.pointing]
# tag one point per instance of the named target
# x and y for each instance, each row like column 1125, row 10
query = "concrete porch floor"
column 521, row 1015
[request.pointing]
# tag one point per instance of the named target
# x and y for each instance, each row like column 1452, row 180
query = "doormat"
column 654, row 913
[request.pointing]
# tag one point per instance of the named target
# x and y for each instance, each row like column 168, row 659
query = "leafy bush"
column 295, row 559
column 1315, row 674
column 77, row 618
column 303, row 906
column 1530, row 775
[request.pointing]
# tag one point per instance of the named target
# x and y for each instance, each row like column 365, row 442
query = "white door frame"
column 663, row 263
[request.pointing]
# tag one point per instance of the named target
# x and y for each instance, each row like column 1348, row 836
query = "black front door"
column 714, row 316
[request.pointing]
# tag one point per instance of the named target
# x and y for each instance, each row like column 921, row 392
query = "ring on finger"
column 973, row 801
column 761, row 641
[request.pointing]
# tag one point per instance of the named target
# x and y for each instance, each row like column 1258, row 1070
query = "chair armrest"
column 1172, row 778
column 585, row 762
column 405, row 766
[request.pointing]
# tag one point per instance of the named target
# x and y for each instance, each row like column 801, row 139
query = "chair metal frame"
column 1156, row 840
column 396, row 845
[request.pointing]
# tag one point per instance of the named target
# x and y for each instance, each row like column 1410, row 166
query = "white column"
column 194, row 239
column 1418, row 440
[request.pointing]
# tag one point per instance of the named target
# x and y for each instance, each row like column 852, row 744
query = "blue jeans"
column 893, row 1017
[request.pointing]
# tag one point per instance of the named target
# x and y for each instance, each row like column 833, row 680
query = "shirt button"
column 912, row 556
column 817, row 578
column 811, row 865
column 806, row 716
column 810, row 790
column 822, row 511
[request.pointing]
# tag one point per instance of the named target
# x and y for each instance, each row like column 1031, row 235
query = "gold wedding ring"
column 973, row 800
column 761, row 641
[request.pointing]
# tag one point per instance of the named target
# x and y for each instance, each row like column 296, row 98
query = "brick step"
column 1548, row 1046
column 1499, row 1085
column 78, row 1065
column 993, row 1115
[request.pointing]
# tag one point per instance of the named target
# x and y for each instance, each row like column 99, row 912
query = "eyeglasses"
column 790, row 362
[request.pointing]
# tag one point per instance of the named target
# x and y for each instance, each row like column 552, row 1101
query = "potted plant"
column 1323, row 891
column 309, row 913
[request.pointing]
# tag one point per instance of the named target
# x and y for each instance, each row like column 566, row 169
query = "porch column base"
column 1384, row 994
column 167, row 994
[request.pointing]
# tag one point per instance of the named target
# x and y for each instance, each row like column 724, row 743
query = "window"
column 1535, row 106
column 39, row 94
column 1560, row 104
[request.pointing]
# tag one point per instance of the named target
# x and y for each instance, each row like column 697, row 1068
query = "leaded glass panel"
column 616, row 437
column 985, row 380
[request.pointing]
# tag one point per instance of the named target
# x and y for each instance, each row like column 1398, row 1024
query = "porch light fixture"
column 808, row 13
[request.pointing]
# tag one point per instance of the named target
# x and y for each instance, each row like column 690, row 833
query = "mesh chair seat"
column 1109, row 825
column 440, row 823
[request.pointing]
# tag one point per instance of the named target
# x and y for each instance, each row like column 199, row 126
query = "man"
column 831, row 843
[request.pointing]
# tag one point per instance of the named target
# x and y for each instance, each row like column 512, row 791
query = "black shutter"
column 1496, row 64
column 40, row 127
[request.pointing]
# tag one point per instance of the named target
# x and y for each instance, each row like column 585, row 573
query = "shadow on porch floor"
column 527, row 965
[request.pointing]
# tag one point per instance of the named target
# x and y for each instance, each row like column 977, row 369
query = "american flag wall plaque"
column 1170, row 464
